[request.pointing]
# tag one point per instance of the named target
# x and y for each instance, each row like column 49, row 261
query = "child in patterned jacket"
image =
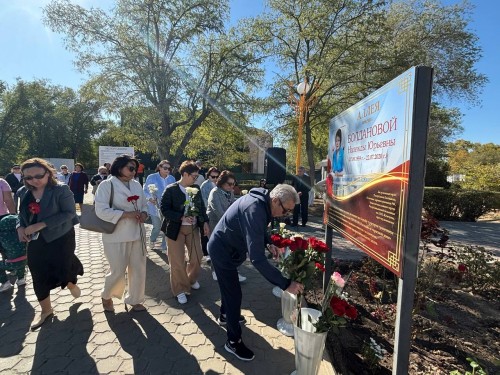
column 13, row 253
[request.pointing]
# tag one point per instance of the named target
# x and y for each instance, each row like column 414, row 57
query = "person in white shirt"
column 63, row 175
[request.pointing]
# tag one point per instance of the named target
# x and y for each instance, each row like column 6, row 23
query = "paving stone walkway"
column 168, row 338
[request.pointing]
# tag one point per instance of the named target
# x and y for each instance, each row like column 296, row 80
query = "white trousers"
column 125, row 257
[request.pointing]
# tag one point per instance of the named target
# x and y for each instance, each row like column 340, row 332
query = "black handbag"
column 90, row 221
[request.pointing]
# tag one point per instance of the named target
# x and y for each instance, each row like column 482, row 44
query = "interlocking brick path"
column 167, row 339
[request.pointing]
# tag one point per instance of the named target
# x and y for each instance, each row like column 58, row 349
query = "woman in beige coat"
column 125, row 248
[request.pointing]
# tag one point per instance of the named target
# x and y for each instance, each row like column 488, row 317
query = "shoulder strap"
column 111, row 196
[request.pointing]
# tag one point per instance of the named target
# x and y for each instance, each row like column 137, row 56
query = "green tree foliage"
column 39, row 119
column 348, row 49
column 479, row 163
column 13, row 123
column 173, row 57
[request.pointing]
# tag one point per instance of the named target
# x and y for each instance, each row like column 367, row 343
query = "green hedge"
column 459, row 205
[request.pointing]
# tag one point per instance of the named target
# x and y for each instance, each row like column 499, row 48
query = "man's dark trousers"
column 230, row 291
column 303, row 207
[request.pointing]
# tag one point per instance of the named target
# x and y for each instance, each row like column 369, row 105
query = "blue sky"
column 31, row 51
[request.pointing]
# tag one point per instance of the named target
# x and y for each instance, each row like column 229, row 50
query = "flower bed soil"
column 448, row 328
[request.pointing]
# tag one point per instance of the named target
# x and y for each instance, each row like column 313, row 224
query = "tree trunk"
column 164, row 143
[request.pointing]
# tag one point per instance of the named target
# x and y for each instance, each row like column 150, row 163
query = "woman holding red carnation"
column 125, row 247
column 46, row 223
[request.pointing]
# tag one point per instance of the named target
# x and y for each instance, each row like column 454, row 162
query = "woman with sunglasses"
column 46, row 222
column 206, row 187
column 219, row 201
column 161, row 179
column 184, row 211
column 125, row 247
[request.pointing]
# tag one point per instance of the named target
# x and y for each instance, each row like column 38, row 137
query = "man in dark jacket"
column 301, row 183
column 241, row 231
column 14, row 179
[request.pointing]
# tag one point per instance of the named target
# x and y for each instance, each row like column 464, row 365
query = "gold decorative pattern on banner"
column 393, row 260
column 404, row 84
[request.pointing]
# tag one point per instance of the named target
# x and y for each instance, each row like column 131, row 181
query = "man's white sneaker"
column 6, row 286
column 182, row 298
column 241, row 278
column 21, row 282
column 195, row 286
column 214, row 276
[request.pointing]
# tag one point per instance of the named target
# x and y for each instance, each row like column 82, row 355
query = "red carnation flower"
column 462, row 267
column 286, row 242
column 293, row 246
column 302, row 244
column 320, row 267
column 351, row 312
column 312, row 241
column 133, row 198
column 276, row 239
column 338, row 306
column 320, row 246
column 34, row 208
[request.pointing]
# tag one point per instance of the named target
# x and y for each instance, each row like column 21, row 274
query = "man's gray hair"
column 285, row 193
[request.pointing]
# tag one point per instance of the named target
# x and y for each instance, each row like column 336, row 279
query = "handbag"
column 90, row 221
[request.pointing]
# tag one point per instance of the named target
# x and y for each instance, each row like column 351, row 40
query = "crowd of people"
column 196, row 217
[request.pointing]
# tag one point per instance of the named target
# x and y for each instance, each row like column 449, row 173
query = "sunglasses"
column 130, row 168
column 285, row 210
column 214, row 176
column 165, row 168
column 36, row 177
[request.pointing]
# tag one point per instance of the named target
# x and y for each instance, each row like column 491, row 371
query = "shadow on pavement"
column 62, row 345
column 14, row 322
column 152, row 347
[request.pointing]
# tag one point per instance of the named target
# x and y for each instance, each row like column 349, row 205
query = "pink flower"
column 337, row 278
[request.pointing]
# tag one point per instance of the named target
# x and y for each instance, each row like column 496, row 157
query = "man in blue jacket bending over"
column 242, row 230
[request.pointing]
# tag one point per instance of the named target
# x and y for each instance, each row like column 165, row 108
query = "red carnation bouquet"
column 303, row 259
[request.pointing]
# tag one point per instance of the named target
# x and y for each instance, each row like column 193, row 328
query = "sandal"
column 43, row 318
column 138, row 307
column 107, row 304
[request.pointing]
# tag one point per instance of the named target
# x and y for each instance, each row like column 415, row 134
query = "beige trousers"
column 183, row 275
column 125, row 257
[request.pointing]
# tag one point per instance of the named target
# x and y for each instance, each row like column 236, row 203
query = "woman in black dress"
column 46, row 222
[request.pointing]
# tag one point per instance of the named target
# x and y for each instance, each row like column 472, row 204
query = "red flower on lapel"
column 34, row 208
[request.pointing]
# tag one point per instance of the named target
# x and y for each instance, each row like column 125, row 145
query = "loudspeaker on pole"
column 275, row 165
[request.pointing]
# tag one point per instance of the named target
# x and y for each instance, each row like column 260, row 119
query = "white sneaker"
column 206, row 258
column 241, row 278
column 21, row 282
column 196, row 286
column 182, row 298
column 6, row 286
column 214, row 276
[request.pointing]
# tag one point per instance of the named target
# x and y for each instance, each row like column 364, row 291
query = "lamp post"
column 302, row 106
